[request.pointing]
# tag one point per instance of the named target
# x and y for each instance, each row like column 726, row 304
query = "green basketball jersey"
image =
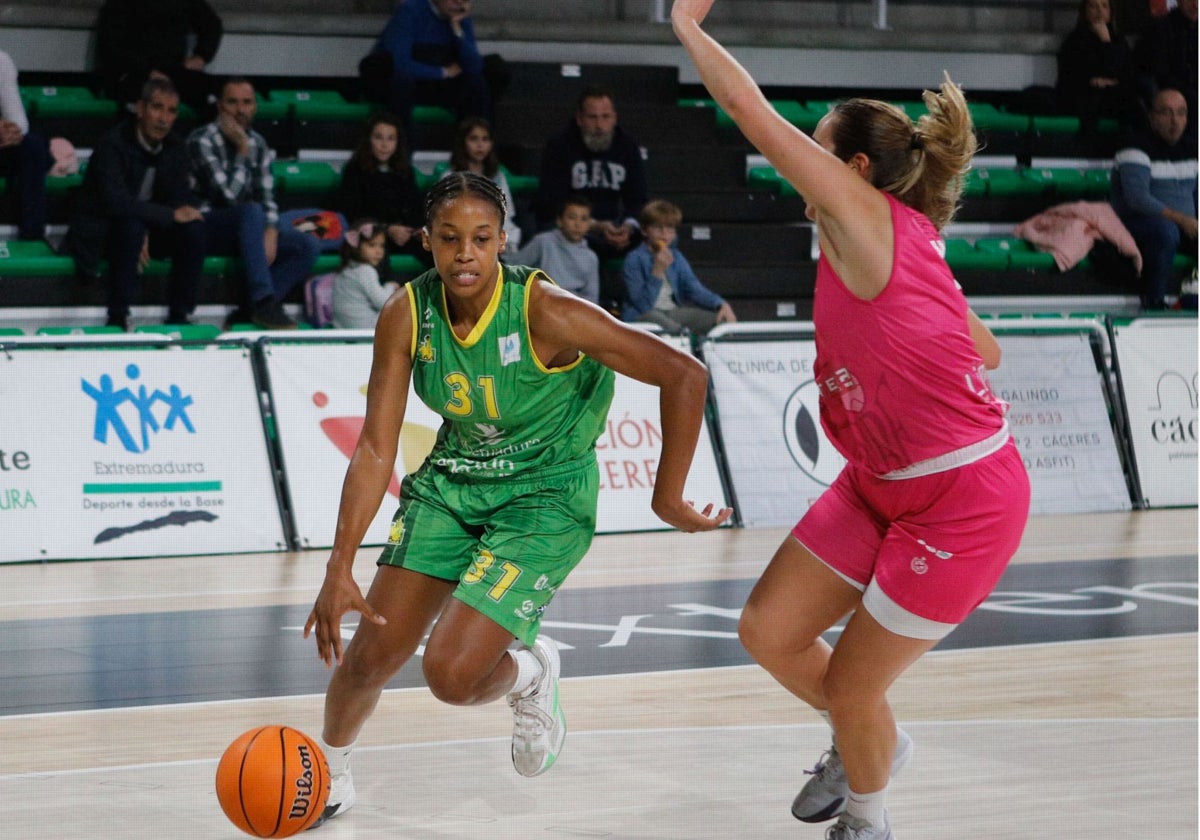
column 505, row 413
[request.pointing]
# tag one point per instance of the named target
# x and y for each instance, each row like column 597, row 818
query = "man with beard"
column 231, row 169
column 135, row 203
column 595, row 157
column 1154, row 193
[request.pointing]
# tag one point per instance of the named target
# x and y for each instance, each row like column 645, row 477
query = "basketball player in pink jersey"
column 917, row 529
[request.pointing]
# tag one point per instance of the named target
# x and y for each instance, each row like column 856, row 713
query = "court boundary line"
column 658, row 730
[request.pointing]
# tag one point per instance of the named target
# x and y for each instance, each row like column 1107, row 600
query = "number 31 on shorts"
column 484, row 561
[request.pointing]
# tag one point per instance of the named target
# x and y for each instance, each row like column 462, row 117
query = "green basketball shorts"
column 509, row 544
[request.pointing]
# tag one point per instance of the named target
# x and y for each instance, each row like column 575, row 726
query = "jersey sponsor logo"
column 396, row 532
column 425, row 351
column 510, row 349
column 487, row 434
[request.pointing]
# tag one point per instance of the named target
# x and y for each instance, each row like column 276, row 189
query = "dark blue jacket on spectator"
column 421, row 43
column 613, row 180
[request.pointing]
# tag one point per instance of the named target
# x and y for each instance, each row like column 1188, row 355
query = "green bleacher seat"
column 1021, row 255
column 1099, row 183
column 307, row 176
column 432, row 115
column 961, row 254
column 91, row 329
column 326, row 263
column 320, row 105
column 66, row 101
column 33, row 259
column 1063, row 183
column 1005, row 183
column 1056, row 124
column 270, row 109
column 518, row 184
column 406, row 264
column 988, row 117
column 766, row 178
column 185, row 332
column 11, row 331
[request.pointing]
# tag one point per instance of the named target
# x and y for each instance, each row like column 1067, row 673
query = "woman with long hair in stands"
column 917, row 529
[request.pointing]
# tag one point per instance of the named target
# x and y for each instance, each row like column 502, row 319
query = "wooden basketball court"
column 1080, row 734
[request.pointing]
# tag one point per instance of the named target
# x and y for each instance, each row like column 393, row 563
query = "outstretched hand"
column 685, row 10
column 339, row 595
column 684, row 516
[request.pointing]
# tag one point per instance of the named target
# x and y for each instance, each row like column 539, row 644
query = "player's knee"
column 760, row 633
column 449, row 681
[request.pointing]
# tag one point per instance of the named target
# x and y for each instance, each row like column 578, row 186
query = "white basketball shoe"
column 539, row 726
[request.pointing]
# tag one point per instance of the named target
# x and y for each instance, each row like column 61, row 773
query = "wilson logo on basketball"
column 302, row 804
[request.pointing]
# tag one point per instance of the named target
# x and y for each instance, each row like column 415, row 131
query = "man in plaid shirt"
column 231, row 171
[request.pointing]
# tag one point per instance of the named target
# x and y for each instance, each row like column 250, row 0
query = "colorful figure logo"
column 109, row 402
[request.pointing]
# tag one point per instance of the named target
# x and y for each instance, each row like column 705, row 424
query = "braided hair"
column 455, row 184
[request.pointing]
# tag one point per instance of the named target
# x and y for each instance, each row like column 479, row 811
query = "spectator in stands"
column 136, row 202
column 24, row 156
column 1154, row 193
column 137, row 39
column 1095, row 70
column 595, row 156
column 358, row 291
column 563, row 253
column 598, row 158
column 661, row 286
column 1166, row 56
column 378, row 182
column 427, row 55
column 475, row 151
column 231, row 167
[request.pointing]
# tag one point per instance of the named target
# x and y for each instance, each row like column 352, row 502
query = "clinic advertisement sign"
column 1060, row 420
column 1157, row 360
column 130, row 453
column 319, row 392
column 779, row 458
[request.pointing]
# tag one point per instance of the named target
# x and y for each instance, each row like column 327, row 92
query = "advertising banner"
column 778, row 458
column 319, row 391
column 131, row 453
column 1061, row 422
column 1157, row 360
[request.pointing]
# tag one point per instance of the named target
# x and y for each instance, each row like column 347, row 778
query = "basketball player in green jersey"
column 505, row 505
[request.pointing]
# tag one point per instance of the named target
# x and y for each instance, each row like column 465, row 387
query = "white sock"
column 338, row 757
column 529, row 669
column 870, row 807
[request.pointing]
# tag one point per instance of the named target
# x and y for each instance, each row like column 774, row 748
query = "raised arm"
column 854, row 217
column 367, row 477
column 562, row 324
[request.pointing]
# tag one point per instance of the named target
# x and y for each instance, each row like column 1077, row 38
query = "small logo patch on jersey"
column 510, row 349
column 425, row 351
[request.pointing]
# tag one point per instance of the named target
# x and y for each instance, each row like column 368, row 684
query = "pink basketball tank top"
column 899, row 376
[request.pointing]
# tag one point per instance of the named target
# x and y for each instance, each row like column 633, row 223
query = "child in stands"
column 358, row 293
column 563, row 253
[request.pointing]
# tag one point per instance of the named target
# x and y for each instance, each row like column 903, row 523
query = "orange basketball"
column 273, row 781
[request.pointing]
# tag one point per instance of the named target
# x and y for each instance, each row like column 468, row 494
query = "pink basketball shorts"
column 924, row 551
